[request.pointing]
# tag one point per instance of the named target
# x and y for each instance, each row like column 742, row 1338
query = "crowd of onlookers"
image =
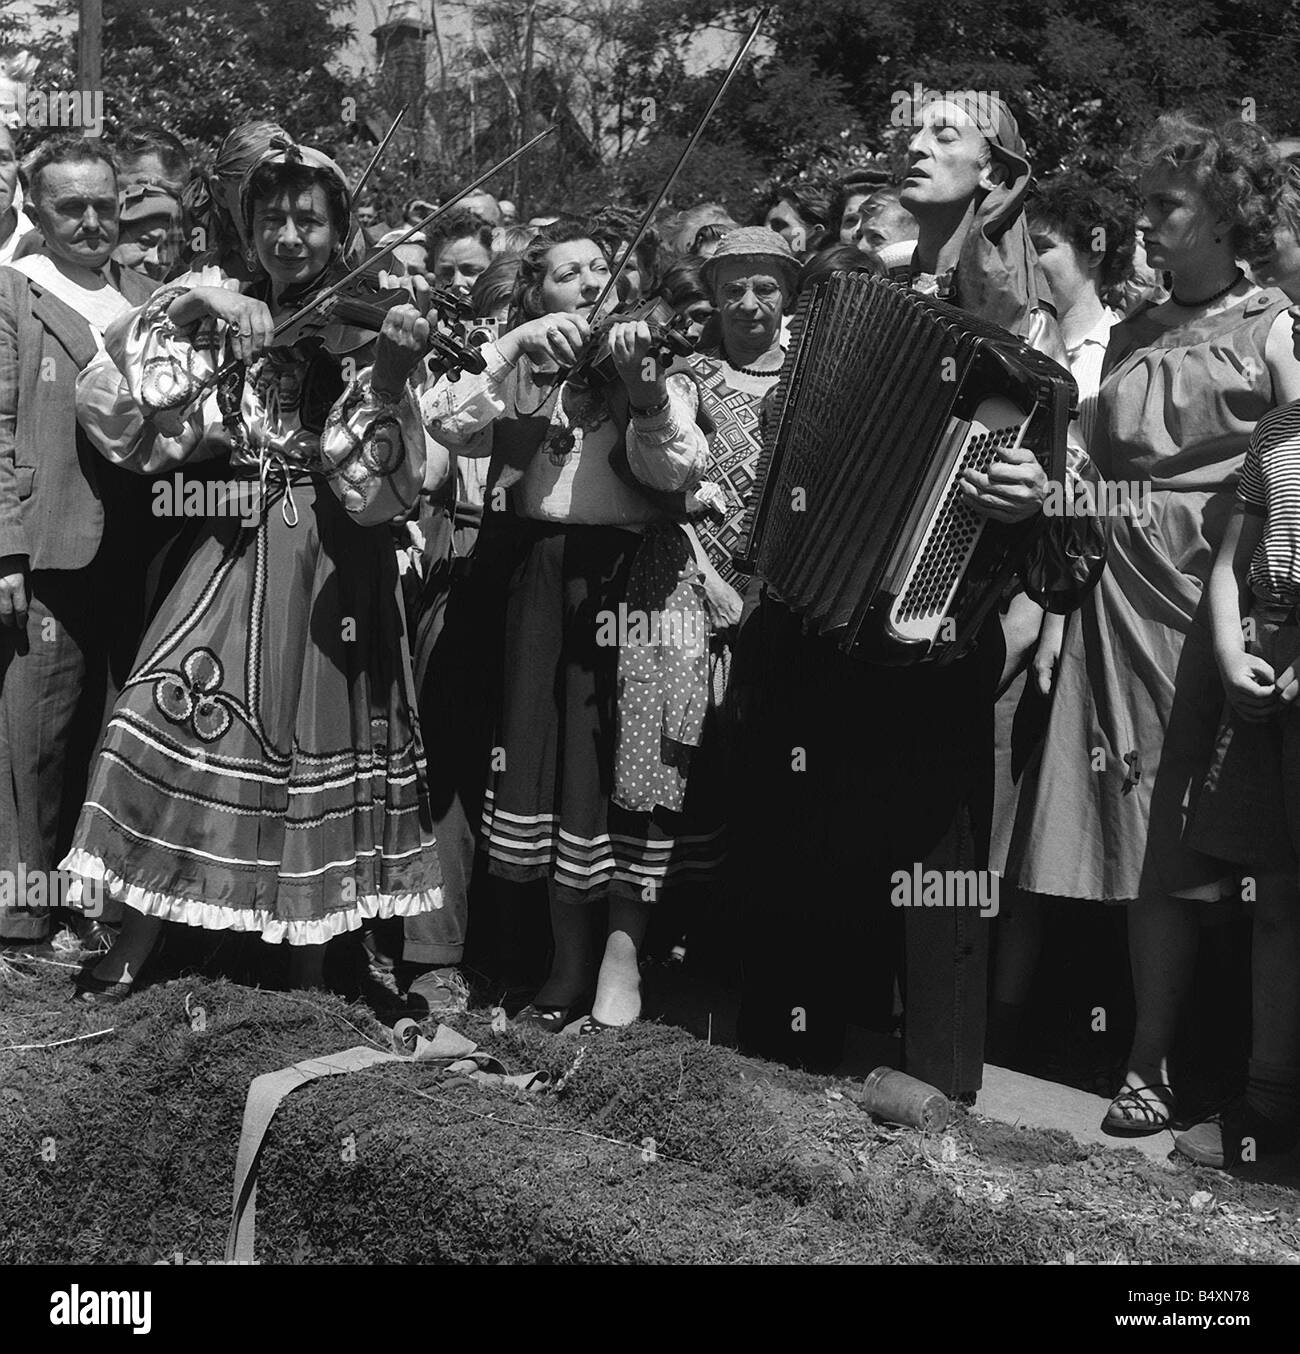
column 1140, row 748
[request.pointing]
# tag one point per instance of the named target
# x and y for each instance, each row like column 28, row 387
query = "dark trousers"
column 445, row 623
column 51, row 688
column 845, row 775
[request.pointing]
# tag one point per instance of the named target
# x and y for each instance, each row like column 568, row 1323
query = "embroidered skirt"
column 548, row 813
column 262, row 770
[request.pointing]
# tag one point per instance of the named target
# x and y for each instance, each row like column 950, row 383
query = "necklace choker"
column 1205, row 300
column 750, row 371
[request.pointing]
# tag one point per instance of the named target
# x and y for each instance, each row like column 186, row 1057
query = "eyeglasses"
column 733, row 292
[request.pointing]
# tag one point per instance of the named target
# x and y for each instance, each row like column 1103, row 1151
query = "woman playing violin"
column 262, row 770
column 579, row 525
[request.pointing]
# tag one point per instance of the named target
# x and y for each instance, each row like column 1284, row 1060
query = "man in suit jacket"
column 54, row 305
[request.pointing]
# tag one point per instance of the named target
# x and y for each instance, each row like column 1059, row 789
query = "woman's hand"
column 631, row 346
column 556, row 338
column 1047, row 654
column 402, row 342
column 723, row 603
column 1014, row 488
column 251, row 327
column 1250, row 685
column 1022, row 624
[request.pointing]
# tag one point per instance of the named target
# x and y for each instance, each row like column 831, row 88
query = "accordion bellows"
column 857, row 520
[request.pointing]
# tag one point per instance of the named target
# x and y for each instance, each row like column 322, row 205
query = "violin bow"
column 386, row 251
column 648, row 218
column 355, row 195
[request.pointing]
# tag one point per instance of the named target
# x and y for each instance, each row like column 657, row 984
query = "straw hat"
column 757, row 242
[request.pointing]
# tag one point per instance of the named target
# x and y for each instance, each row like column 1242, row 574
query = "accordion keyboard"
column 857, row 522
column 925, row 598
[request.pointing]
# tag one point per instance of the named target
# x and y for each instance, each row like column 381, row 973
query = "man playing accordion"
column 849, row 772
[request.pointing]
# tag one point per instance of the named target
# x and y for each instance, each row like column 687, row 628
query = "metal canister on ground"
column 900, row 1099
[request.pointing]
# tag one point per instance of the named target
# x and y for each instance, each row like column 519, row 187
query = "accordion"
column 857, row 519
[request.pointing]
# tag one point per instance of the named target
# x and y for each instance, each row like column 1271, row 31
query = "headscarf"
column 212, row 199
column 283, row 150
column 998, row 274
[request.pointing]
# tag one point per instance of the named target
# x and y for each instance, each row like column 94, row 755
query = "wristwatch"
column 652, row 411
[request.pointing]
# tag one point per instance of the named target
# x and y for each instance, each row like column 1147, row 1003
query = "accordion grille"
column 862, row 394
column 858, row 521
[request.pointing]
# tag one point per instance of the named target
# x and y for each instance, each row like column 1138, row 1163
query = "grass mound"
column 659, row 1148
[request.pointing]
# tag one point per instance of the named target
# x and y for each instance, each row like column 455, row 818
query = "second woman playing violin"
column 262, row 770
column 582, row 494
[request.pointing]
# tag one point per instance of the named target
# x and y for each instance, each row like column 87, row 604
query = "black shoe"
column 1236, row 1137
column 96, row 937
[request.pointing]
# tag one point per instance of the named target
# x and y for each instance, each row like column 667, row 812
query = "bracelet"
column 652, row 411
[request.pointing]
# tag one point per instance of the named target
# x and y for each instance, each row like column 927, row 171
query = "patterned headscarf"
column 283, row 150
column 212, row 199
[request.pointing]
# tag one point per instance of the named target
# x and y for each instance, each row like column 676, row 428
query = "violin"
column 348, row 320
column 669, row 341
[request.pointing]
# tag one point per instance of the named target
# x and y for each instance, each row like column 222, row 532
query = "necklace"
column 751, row 371
column 1205, row 300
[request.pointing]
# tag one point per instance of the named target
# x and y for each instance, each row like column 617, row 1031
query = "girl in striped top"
column 1249, row 811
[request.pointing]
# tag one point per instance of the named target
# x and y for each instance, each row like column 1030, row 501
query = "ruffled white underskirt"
column 218, row 917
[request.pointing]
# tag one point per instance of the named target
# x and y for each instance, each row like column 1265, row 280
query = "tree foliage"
column 199, row 69
column 620, row 78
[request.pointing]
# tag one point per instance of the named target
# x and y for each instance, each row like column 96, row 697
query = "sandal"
column 1132, row 1116
column 592, row 1026
column 91, row 991
column 548, row 1019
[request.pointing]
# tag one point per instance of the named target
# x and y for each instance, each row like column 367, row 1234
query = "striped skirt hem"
column 523, row 848
column 220, row 917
